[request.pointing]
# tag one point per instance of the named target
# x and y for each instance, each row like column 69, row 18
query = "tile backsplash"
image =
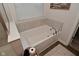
column 35, row 23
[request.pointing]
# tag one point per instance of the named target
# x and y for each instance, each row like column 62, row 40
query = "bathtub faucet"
column 54, row 29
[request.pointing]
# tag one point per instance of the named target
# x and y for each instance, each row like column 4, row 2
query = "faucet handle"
column 50, row 28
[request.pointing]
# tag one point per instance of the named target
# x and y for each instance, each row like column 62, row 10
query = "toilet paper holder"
column 30, row 51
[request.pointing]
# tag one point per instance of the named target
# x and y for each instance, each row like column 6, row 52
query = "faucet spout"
column 54, row 29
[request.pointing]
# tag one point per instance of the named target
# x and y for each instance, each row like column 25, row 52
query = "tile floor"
column 59, row 50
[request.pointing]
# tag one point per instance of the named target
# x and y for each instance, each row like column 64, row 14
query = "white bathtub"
column 40, row 37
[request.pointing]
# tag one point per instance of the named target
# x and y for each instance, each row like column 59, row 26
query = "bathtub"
column 40, row 37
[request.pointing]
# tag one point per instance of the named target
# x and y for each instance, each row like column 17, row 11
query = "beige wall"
column 3, row 36
column 28, row 10
column 68, row 17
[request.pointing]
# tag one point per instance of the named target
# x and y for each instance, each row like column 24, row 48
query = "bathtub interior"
column 40, row 37
column 37, row 33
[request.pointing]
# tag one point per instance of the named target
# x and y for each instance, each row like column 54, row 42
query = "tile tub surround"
column 53, row 23
column 26, row 25
column 29, row 25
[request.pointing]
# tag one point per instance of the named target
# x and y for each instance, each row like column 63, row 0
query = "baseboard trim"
column 60, row 40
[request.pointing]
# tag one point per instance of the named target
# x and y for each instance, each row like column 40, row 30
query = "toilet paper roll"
column 32, row 51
